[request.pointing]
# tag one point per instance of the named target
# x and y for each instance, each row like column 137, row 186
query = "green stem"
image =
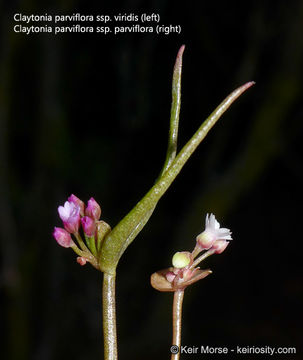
column 90, row 241
column 177, row 322
column 85, row 252
column 81, row 242
column 127, row 229
column 109, row 317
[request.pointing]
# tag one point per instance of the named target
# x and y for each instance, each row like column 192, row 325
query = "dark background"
column 88, row 114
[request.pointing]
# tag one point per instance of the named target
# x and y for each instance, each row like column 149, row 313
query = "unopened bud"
column 181, row 259
column 206, row 239
column 81, row 260
column 219, row 246
column 74, row 199
column 88, row 225
column 93, row 209
column 62, row 237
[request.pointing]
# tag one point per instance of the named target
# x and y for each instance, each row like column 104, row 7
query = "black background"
column 88, row 114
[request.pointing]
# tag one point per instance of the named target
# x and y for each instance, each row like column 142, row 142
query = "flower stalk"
column 177, row 324
column 201, row 258
column 109, row 317
column 185, row 272
column 104, row 247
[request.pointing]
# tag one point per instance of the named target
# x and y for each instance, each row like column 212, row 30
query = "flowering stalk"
column 104, row 247
column 109, row 317
column 185, row 272
column 128, row 228
column 201, row 258
column 116, row 242
column 73, row 214
column 177, row 324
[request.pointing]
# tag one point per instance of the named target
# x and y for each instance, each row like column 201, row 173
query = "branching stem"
column 116, row 242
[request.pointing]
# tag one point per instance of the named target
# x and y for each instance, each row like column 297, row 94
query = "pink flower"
column 62, row 237
column 70, row 215
column 93, row 209
column 212, row 233
column 88, row 225
column 74, row 199
column 219, row 246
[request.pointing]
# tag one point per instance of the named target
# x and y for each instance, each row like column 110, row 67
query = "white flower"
column 212, row 233
column 70, row 215
column 68, row 211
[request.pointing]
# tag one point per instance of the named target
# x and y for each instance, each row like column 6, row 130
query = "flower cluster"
column 213, row 240
column 80, row 219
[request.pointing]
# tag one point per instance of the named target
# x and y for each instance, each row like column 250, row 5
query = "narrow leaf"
column 128, row 228
column 175, row 112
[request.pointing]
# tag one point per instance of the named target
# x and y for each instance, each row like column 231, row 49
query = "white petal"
column 206, row 221
column 217, row 225
column 69, row 206
column 63, row 213
column 224, row 237
column 213, row 222
column 223, row 230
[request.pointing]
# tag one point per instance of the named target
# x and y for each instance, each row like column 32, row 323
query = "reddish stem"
column 177, row 323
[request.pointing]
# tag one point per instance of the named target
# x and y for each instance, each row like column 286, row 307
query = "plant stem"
column 201, row 258
column 109, row 317
column 81, row 242
column 116, row 242
column 90, row 241
column 87, row 255
column 177, row 321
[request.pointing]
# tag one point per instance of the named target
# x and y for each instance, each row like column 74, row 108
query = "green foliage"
column 116, row 242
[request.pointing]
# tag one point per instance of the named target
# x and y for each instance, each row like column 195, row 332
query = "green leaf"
column 116, row 242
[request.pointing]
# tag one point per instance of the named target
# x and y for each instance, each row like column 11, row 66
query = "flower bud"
column 181, row 259
column 70, row 215
column 88, row 225
column 81, row 260
column 74, row 199
column 219, row 246
column 206, row 239
column 62, row 237
column 93, row 209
